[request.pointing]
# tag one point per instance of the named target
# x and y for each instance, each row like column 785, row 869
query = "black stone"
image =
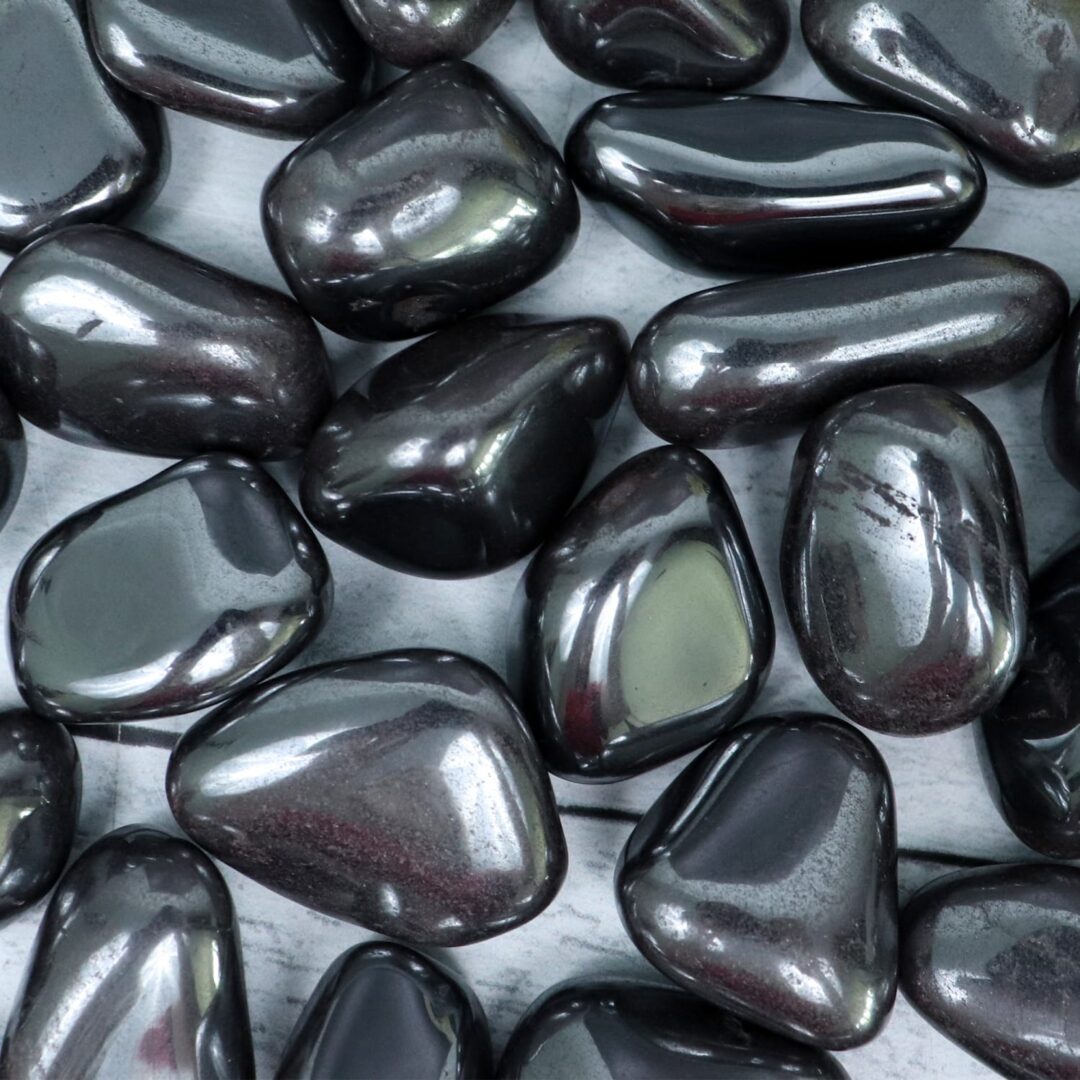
column 1061, row 404
column 12, row 458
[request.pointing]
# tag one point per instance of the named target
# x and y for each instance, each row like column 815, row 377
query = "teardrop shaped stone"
column 12, row 457
column 904, row 565
column 744, row 183
column 382, row 1010
column 280, row 67
column 438, row 197
column 136, row 971
column 742, row 363
column 1002, row 73
column 764, row 879
column 167, row 597
column 991, row 957
column 1061, row 404
column 459, row 454
column 77, row 146
column 401, row 791
column 645, row 628
column 615, row 1029
column 696, row 44
column 40, row 792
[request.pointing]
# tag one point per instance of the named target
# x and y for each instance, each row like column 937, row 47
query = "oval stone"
column 108, row 338
column 645, row 627
column 167, row 597
column 637, row 44
column 382, row 1010
column 281, row 67
column 401, row 791
column 742, row 363
column 435, row 199
column 743, row 183
column 459, row 454
column 903, row 565
column 12, row 458
column 77, row 146
column 40, row 791
column 764, row 880
column 1061, row 404
column 991, row 957
column 1005, row 74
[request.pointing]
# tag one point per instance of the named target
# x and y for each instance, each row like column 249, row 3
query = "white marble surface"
column 209, row 207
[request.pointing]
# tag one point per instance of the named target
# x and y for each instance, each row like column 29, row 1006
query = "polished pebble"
column 903, row 563
column 695, row 44
column 281, row 67
column 435, row 199
column 400, row 791
column 12, row 454
column 1005, row 74
column 385, row 1012
column 136, row 971
column 644, row 629
column 40, row 791
column 621, row 1029
column 991, row 957
column 747, row 362
column 764, row 880
column 1061, row 404
column 110, row 339
column 460, row 454
column 167, row 597
column 76, row 145
column 744, row 183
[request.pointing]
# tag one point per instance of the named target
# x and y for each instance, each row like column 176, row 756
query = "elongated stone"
column 108, row 338
column 744, row 183
column 12, row 459
column 382, row 1010
column 459, row 454
column 1002, row 73
column 1061, row 404
column 435, row 199
column 40, row 791
column 764, row 880
column 991, row 957
column 645, row 627
column 167, row 597
column 746, row 362
column 610, row 1029
column 638, row 44
column 77, row 146
column 903, row 565
column 400, row 791
column 136, row 971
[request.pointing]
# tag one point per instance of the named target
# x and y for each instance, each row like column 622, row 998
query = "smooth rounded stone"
column 764, row 880
column 903, row 564
column 400, row 791
column 280, row 67
column 1061, row 404
column 110, row 339
column 40, row 791
column 437, row 198
column 1005, row 74
column 991, row 957
column 745, row 183
column 384, row 1011
column 12, row 458
column 460, row 454
column 743, row 363
column 645, row 627
column 168, row 597
column 77, row 146
column 636, row 44
column 136, row 971
column 622, row 1029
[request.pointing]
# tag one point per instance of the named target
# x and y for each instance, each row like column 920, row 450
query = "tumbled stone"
column 1061, row 404
column 12, row 458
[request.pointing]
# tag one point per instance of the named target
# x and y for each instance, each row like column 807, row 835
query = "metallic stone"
column 167, row 597
column 645, row 627
column 459, row 454
column 12, row 458
column 437, row 198
column 1061, row 404
column 764, row 879
column 903, row 564
column 400, row 791
column 744, row 183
